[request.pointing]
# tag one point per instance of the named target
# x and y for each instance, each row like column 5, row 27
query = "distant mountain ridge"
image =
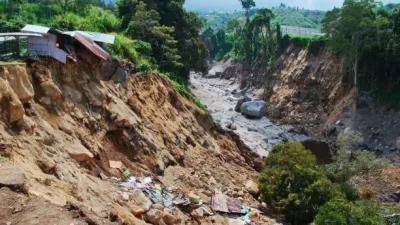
column 284, row 15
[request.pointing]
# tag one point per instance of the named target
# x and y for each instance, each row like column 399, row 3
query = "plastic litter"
column 147, row 180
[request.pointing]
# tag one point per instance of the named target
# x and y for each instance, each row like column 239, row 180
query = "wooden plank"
column 219, row 202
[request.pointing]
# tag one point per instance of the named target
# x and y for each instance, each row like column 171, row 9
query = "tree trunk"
column 65, row 6
column 11, row 8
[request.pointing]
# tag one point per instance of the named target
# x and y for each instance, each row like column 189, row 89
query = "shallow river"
column 221, row 95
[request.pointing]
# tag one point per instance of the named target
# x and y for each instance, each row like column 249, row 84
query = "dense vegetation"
column 284, row 15
column 158, row 33
column 293, row 184
column 367, row 36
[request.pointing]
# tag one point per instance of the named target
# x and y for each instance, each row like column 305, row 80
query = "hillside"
column 68, row 136
column 291, row 16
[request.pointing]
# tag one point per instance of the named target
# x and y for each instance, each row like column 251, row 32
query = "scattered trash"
column 219, row 202
column 168, row 198
column 147, row 180
column 115, row 164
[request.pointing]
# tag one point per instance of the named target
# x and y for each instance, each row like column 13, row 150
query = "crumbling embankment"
column 61, row 125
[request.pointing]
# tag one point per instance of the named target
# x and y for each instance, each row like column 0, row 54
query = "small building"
column 60, row 45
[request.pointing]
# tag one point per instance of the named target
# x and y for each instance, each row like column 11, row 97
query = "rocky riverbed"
column 221, row 97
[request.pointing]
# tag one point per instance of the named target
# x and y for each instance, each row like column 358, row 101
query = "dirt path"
column 221, row 96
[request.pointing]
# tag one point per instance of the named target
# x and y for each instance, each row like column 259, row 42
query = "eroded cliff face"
column 303, row 89
column 306, row 89
column 62, row 124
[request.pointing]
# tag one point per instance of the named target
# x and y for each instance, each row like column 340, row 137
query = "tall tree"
column 347, row 27
column 247, row 5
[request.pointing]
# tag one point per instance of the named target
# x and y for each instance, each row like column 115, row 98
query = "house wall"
column 46, row 46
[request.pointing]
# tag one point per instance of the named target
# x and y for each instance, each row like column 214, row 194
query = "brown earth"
column 383, row 187
column 69, row 124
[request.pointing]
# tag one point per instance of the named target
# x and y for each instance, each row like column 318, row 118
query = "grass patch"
column 12, row 63
column 312, row 43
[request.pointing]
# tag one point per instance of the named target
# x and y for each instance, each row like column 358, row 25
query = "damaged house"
column 62, row 45
column 67, row 45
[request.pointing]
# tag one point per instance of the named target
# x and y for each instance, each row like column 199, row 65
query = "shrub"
column 312, row 43
column 347, row 165
column 294, row 184
column 122, row 48
column 343, row 212
column 144, row 68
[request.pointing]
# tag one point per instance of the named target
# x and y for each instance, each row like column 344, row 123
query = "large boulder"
column 241, row 101
column 253, row 109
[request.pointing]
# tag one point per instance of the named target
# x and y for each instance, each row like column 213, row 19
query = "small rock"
column 254, row 215
column 125, row 196
column 240, row 194
column 252, row 187
column 82, row 156
column 212, row 181
column 194, row 199
column 137, row 211
column 235, row 194
column 226, row 123
column 49, row 140
column 157, row 206
column 140, row 200
column 205, row 198
column 154, row 216
column 11, row 176
column 169, row 219
column 197, row 213
column 233, row 127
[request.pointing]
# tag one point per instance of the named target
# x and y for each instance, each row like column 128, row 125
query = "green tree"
column 247, row 5
column 294, row 184
column 143, row 22
column 340, row 211
column 126, row 10
column 347, row 28
column 233, row 26
column 166, row 51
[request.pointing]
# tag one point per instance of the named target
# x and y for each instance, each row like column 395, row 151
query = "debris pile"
column 154, row 201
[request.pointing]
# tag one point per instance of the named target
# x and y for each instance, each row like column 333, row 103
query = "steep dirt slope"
column 61, row 124
column 303, row 89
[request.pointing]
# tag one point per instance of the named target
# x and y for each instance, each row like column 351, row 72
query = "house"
column 58, row 44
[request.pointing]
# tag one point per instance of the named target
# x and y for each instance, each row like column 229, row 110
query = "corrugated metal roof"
column 100, row 37
column 91, row 45
column 95, row 36
column 36, row 29
column 19, row 34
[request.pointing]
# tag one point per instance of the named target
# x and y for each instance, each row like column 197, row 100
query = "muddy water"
column 221, row 96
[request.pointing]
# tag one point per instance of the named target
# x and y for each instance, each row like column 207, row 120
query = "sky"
column 208, row 5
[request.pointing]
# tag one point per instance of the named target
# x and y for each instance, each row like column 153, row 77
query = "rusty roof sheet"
column 35, row 29
column 91, row 45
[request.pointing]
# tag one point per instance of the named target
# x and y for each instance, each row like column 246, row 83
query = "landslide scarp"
column 63, row 124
